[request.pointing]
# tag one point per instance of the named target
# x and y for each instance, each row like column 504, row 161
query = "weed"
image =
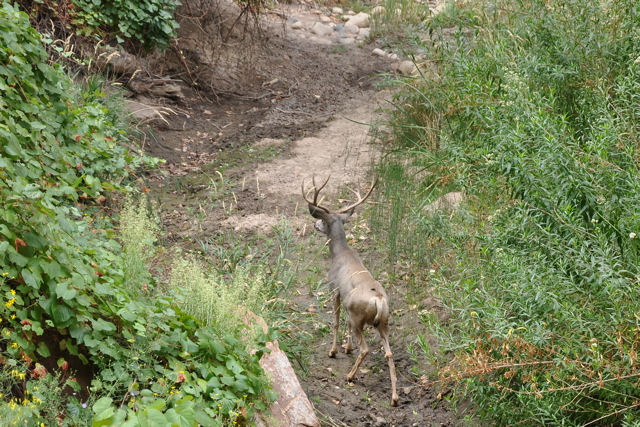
column 532, row 118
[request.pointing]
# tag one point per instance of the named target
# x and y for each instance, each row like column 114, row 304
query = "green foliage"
column 150, row 22
column 535, row 117
column 69, row 290
column 212, row 301
column 138, row 232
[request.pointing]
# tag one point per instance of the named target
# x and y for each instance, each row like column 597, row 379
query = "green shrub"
column 70, row 292
column 150, row 22
column 538, row 123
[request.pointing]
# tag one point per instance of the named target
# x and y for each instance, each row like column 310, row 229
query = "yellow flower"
column 14, row 345
column 13, row 316
column 13, row 292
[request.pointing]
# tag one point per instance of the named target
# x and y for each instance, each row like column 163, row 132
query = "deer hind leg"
column 384, row 335
column 364, row 350
column 349, row 346
column 336, row 323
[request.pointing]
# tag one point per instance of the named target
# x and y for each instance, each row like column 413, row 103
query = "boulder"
column 320, row 29
column 360, row 20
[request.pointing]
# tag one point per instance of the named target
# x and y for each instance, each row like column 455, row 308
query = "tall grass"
column 537, row 106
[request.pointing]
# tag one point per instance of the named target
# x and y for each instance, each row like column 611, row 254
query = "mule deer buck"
column 363, row 297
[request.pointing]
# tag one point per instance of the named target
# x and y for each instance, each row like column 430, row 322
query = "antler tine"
column 360, row 199
column 316, row 192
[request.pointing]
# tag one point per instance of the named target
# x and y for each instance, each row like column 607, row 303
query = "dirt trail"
column 237, row 164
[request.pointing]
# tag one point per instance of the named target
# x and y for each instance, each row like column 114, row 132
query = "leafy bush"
column 72, row 298
column 538, row 117
column 150, row 22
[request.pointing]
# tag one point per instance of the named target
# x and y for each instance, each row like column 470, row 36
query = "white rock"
column 325, row 19
column 378, row 10
column 361, row 20
column 364, row 33
column 378, row 52
column 337, row 11
column 296, row 25
column 347, row 40
column 351, row 12
column 392, row 56
column 351, row 29
column 321, row 29
column 406, row 67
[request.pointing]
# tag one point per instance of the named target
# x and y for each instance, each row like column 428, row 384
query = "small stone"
column 406, row 67
column 378, row 52
column 378, row 10
column 347, row 40
column 351, row 12
column 325, row 19
column 337, row 11
column 361, row 20
column 321, row 30
column 296, row 25
column 407, row 390
column 364, row 33
column 392, row 56
column 351, row 29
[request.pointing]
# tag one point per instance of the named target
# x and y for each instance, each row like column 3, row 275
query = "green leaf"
column 43, row 350
column 64, row 291
column 61, row 314
column 102, row 325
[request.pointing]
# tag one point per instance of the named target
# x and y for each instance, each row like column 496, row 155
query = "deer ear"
column 345, row 216
column 318, row 212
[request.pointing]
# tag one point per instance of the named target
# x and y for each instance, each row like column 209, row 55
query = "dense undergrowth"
column 89, row 334
column 535, row 115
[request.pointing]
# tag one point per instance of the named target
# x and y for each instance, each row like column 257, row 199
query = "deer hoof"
column 350, row 378
column 394, row 401
column 348, row 350
column 332, row 353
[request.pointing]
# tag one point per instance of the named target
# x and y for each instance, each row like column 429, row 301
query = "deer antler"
column 316, row 192
column 360, row 199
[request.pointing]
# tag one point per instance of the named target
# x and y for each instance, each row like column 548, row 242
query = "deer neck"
column 337, row 241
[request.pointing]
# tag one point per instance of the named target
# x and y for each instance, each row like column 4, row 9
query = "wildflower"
column 632, row 235
column 13, row 292
column 432, row 271
column 10, row 302
column 14, row 345
column 84, row 405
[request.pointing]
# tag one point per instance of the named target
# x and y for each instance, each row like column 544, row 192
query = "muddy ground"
column 235, row 163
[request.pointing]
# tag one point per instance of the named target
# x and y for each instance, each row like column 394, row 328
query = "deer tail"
column 380, row 308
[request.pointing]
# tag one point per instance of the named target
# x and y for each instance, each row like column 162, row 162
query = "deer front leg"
column 336, row 323
column 384, row 334
column 364, row 350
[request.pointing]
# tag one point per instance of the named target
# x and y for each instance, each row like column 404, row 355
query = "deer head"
column 327, row 219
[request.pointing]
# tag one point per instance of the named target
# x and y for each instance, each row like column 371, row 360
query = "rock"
column 378, row 52
column 320, row 40
column 361, row 20
column 347, row 40
column 296, row 25
column 351, row 29
column 325, row 19
column 378, row 10
column 407, row 68
column 321, row 30
column 351, row 12
column 337, row 11
column 345, row 17
column 392, row 56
